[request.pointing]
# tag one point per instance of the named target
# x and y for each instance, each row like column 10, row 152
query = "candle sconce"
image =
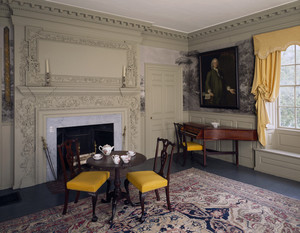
column 47, row 73
column 124, row 70
column 47, row 79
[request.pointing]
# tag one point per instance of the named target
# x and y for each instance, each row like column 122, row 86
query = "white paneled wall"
column 246, row 148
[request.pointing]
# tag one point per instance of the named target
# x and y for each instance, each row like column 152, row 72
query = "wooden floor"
column 38, row 198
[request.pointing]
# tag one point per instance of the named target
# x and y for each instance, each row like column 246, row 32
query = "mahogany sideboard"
column 207, row 132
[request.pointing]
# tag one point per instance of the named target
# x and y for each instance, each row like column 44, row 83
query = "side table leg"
column 204, row 153
column 117, row 193
column 236, row 153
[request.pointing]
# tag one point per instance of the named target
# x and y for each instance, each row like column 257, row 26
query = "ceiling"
column 180, row 15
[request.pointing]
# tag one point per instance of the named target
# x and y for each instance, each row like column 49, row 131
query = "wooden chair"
column 75, row 179
column 182, row 143
column 146, row 181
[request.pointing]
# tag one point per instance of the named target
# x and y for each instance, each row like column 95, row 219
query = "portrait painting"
column 219, row 78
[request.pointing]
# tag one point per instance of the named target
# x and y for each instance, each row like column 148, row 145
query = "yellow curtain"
column 267, row 50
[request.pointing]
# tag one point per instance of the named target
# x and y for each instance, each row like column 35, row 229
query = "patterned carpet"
column 202, row 202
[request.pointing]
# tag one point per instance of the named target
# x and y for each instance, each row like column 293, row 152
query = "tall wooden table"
column 209, row 133
column 107, row 163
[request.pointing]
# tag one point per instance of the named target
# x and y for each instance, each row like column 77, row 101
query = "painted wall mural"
column 154, row 56
column 191, row 100
column 7, row 49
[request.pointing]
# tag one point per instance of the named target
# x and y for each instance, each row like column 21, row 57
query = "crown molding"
column 281, row 11
column 54, row 9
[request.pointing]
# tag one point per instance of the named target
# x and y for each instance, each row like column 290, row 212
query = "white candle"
column 123, row 71
column 47, row 66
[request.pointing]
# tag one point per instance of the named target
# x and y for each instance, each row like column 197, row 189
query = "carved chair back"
column 72, row 159
column 180, row 135
column 166, row 157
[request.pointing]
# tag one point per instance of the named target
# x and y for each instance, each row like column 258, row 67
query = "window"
column 289, row 92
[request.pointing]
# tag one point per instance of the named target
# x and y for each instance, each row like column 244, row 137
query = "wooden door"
column 164, row 103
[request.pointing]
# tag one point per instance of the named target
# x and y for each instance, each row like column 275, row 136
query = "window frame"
column 277, row 104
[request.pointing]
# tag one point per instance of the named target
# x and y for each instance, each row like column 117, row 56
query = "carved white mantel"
column 26, row 123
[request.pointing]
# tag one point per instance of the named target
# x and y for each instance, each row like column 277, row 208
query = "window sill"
column 280, row 152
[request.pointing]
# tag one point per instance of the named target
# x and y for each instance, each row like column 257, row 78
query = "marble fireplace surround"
column 49, row 120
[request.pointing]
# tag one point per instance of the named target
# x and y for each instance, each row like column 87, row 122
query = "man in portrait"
column 216, row 86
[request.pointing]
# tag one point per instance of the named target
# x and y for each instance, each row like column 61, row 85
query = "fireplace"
column 88, row 136
column 104, row 129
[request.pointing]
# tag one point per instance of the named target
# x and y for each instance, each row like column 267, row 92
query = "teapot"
column 106, row 149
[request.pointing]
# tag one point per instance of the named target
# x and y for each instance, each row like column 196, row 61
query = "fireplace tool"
column 45, row 147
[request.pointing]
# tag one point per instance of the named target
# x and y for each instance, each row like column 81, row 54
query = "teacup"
column 97, row 156
column 116, row 159
column 131, row 153
column 125, row 158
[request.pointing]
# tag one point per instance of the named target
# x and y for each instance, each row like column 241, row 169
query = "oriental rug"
column 201, row 202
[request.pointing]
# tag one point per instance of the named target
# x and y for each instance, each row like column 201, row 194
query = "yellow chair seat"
column 146, row 180
column 88, row 181
column 193, row 146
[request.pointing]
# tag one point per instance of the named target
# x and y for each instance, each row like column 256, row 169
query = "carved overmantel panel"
column 34, row 76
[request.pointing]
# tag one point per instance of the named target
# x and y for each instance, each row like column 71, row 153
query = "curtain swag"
column 267, row 43
column 267, row 51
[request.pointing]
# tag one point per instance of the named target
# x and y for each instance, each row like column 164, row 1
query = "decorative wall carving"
column 28, row 102
column 34, row 78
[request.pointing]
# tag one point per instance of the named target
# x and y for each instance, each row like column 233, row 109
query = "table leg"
column 236, row 153
column 204, row 154
column 117, row 194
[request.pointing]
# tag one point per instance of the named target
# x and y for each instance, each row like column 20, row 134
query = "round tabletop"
column 107, row 161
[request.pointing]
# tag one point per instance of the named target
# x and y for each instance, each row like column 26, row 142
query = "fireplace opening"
column 88, row 137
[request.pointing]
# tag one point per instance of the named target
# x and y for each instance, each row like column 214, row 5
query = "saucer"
column 130, row 154
column 101, row 156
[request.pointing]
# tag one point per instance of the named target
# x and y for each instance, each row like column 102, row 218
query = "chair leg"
column 66, row 201
column 142, row 200
column 157, row 195
column 77, row 196
column 192, row 156
column 126, row 184
column 107, row 190
column 168, row 197
column 94, row 201
column 185, row 156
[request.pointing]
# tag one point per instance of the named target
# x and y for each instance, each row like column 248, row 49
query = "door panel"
column 163, row 103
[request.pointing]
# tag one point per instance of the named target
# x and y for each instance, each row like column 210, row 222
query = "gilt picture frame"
column 219, row 85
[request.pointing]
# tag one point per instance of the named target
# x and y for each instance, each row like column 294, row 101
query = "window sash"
column 293, row 105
